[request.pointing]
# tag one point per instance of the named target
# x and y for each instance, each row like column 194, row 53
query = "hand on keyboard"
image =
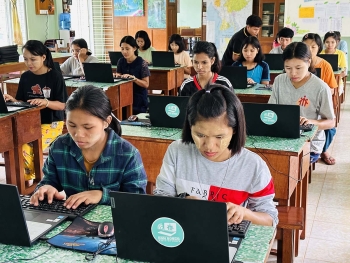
column 239, row 230
column 87, row 197
column 46, row 191
column 306, row 127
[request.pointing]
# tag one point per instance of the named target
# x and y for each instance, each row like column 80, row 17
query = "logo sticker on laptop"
column 172, row 110
column 268, row 117
column 167, row 232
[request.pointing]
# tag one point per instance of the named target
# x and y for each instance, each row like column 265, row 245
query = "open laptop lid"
column 275, row 61
column 99, row 72
column 13, row 221
column 168, row 229
column 331, row 59
column 167, row 111
column 114, row 56
column 237, row 76
column 163, row 59
column 7, row 109
column 275, row 120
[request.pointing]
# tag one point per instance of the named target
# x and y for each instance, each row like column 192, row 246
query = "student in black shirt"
column 233, row 49
column 41, row 85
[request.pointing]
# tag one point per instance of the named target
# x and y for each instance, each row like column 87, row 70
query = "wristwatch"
column 183, row 195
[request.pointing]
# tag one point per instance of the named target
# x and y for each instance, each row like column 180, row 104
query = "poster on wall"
column 128, row 7
column 156, row 14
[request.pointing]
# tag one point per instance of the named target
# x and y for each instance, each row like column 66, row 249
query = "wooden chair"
column 291, row 219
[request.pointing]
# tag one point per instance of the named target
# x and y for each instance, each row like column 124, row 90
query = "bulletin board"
column 305, row 16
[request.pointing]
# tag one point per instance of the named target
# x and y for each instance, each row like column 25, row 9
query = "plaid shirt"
column 119, row 168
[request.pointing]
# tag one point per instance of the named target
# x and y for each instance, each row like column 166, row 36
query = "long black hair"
column 94, row 101
column 209, row 49
column 178, row 41
column 143, row 34
column 254, row 42
column 37, row 48
column 211, row 102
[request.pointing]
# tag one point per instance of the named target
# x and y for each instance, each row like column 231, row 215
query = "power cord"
column 103, row 246
column 273, row 168
column 47, row 26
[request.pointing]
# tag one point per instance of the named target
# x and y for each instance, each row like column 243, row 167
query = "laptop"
column 167, row 111
column 274, row 120
column 168, row 229
column 331, row 59
column 163, row 59
column 8, row 107
column 237, row 76
column 99, row 72
column 22, row 228
column 114, row 57
column 58, row 68
column 275, row 61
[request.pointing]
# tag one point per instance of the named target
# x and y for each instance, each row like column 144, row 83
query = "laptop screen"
column 237, row 76
column 168, row 111
column 163, row 59
column 275, row 61
column 331, row 59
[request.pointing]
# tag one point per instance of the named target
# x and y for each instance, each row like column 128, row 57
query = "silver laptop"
column 22, row 228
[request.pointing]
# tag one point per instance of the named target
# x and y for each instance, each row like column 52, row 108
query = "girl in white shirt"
column 181, row 57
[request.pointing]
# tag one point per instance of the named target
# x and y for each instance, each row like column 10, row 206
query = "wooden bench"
column 291, row 219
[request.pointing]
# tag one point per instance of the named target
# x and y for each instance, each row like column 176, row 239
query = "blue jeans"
column 329, row 138
column 314, row 157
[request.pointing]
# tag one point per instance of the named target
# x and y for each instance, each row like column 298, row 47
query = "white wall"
column 190, row 13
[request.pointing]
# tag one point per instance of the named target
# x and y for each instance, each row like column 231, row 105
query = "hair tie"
column 207, row 91
column 306, row 36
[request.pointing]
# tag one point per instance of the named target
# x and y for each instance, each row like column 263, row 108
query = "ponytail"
column 49, row 61
column 115, row 125
column 217, row 65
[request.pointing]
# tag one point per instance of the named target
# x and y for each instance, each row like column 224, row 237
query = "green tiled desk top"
column 253, row 248
column 75, row 83
column 254, row 91
column 260, row 142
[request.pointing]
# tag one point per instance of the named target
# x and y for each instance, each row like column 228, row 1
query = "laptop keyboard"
column 306, row 127
column 239, row 230
column 35, row 229
column 56, row 207
column 19, row 104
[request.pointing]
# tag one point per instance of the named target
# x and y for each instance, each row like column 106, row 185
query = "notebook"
column 275, row 120
column 331, row 59
column 114, row 56
column 99, row 72
column 169, row 229
column 13, row 106
column 237, row 76
column 167, row 111
column 275, row 61
column 22, row 228
column 163, row 59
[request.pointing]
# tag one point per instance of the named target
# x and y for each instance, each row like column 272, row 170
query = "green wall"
column 190, row 14
column 36, row 24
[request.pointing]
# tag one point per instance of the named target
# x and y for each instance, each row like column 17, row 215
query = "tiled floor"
column 328, row 233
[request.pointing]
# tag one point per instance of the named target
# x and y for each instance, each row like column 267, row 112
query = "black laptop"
column 7, row 107
column 99, row 72
column 163, row 59
column 237, row 76
column 275, row 61
column 331, row 59
column 22, row 228
column 275, row 120
column 167, row 111
column 169, row 229
column 114, row 57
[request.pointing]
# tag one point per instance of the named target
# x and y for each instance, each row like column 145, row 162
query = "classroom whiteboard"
column 305, row 16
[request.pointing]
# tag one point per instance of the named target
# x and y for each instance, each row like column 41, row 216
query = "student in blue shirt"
column 252, row 57
column 92, row 159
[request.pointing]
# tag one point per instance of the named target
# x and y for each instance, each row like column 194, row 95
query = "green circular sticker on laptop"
column 172, row 110
column 268, row 117
column 167, row 232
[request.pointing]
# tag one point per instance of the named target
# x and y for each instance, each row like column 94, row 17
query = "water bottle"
column 64, row 21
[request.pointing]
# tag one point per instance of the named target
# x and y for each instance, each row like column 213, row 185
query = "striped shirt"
column 119, row 168
column 191, row 85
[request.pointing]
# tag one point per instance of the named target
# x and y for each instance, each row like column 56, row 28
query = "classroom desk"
column 166, row 79
column 254, row 95
column 254, row 248
column 25, row 128
column 120, row 94
column 7, row 147
column 20, row 66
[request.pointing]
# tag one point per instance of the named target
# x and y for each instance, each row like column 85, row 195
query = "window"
column 99, row 14
column 6, row 29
